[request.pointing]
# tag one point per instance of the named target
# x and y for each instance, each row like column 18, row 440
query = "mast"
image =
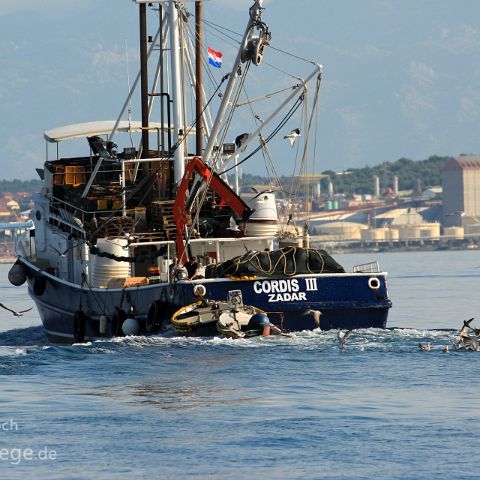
column 144, row 77
column 255, row 12
column 198, row 74
column 178, row 129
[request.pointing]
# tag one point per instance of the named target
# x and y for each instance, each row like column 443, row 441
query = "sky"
column 401, row 78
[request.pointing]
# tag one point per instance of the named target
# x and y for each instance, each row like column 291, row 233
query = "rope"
column 85, row 282
column 185, row 136
column 254, row 259
column 139, row 258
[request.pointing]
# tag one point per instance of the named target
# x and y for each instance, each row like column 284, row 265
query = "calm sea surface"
column 164, row 407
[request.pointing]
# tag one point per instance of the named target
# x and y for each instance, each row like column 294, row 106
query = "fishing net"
column 286, row 261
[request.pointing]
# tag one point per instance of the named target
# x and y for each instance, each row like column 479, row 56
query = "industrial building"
column 461, row 192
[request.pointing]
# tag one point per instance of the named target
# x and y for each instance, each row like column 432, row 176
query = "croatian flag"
column 215, row 58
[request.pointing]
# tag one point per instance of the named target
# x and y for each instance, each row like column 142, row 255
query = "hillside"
column 15, row 186
column 360, row 180
column 428, row 172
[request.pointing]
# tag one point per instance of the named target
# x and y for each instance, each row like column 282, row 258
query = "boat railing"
column 370, row 267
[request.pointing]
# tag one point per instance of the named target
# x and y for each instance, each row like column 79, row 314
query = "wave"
column 22, row 348
column 23, row 336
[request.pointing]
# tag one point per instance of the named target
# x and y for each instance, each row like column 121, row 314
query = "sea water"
column 280, row 408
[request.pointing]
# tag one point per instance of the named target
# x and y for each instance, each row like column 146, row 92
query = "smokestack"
column 376, row 186
column 330, row 188
column 418, row 187
column 395, row 186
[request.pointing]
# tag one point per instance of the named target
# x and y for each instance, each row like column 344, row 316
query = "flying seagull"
column 465, row 330
column 240, row 140
column 342, row 338
column 315, row 315
column 233, row 225
column 16, row 314
column 292, row 136
column 425, row 347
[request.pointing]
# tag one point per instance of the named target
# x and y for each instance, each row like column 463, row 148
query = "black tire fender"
column 118, row 317
column 79, row 326
column 154, row 317
column 39, row 285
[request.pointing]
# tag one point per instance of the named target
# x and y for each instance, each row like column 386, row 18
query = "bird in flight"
column 342, row 338
column 292, row 136
column 315, row 315
column 16, row 314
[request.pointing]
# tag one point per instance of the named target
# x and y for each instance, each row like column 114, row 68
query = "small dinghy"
column 231, row 318
column 200, row 318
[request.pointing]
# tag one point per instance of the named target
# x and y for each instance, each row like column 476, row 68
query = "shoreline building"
column 461, row 191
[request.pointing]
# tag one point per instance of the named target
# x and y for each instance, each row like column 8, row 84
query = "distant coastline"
column 417, row 245
column 7, row 260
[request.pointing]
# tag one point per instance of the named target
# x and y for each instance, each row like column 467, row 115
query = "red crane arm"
column 196, row 165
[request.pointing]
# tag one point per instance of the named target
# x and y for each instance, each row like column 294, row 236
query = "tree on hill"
column 15, row 186
column 409, row 172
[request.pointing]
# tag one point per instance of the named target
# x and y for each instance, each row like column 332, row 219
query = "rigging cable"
column 308, row 131
column 207, row 184
column 129, row 110
column 219, row 28
column 282, row 123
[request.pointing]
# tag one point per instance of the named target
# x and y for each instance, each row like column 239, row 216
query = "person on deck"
column 172, row 267
column 192, row 268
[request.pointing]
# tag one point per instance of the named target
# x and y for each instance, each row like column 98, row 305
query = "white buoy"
column 199, row 290
column 130, row 326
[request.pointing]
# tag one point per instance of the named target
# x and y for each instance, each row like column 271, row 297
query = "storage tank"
column 408, row 232
column 103, row 269
column 430, row 230
column 392, row 235
column 342, row 230
column 473, row 229
column 454, row 232
column 421, row 231
column 373, row 235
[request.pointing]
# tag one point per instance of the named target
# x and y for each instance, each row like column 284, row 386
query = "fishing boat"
column 125, row 231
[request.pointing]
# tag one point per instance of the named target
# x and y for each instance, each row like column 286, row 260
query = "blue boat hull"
column 353, row 300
